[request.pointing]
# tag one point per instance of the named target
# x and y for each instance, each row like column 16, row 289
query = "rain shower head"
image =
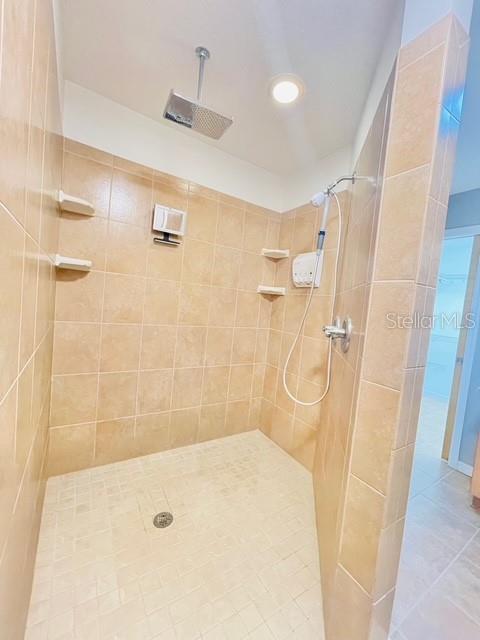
column 192, row 113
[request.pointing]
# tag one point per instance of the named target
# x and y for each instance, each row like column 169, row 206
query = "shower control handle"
column 340, row 331
column 334, row 332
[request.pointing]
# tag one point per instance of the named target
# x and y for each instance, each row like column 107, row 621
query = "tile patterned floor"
column 438, row 588
column 239, row 561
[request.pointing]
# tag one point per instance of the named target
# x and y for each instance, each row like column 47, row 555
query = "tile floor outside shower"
column 438, row 588
column 239, row 561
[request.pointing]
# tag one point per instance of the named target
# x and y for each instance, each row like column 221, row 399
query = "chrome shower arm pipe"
column 332, row 186
column 352, row 178
column 203, row 54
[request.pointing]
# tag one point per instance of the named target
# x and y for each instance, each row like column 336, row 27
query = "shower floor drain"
column 163, row 519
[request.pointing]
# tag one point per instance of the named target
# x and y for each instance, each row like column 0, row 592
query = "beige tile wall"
column 159, row 347
column 29, row 176
column 156, row 347
column 418, row 170
column 321, row 436
column 359, row 441
column 334, row 443
column 291, row 425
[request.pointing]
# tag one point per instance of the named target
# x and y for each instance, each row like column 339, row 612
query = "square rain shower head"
column 193, row 115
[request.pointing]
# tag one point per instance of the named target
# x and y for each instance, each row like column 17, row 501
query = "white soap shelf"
column 72, row 204
column 62, row 262
column 271, row 291
column 278, row 254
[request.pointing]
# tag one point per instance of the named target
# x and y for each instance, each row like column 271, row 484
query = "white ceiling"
column 135, row 51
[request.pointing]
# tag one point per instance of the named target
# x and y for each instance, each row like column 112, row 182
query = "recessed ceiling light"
column 286, row 89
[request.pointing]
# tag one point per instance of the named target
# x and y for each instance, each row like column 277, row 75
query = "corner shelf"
column 277, row 254
column 72, row 204
column 271, row 291
column 62, row 262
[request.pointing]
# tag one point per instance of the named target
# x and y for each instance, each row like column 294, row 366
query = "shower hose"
column 305, row 314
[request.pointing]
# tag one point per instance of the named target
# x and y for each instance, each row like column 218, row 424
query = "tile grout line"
column 101, row 317
column 207, row 330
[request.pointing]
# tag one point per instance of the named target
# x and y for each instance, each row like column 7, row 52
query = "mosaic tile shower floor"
column 239, row 561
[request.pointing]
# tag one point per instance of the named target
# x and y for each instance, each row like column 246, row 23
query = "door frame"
column 467, row 342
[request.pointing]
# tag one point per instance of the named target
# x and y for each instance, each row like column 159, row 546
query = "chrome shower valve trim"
column 340, row 331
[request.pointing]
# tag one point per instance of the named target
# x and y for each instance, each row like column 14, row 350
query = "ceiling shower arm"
column 203, row 54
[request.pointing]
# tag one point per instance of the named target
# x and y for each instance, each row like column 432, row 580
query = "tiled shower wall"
column 420, row 153
column 156, row 347
column 360, row 440
column 290, row 425
column 159, row 347
column 336, row 432
column 29, row 177
column 321, row 436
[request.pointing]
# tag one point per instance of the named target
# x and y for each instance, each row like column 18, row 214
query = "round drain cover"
column 163, row 519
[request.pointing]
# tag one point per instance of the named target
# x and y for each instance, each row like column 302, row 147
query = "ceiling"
column 135, row 51
column 467, row 166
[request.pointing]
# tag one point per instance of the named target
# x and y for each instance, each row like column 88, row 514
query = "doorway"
column 463, row 424
column 439, row 573
column 446, row 430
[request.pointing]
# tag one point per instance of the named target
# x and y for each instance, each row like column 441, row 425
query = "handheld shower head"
column 319, row 198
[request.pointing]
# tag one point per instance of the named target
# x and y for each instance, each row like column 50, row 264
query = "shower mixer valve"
column 340, row 331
